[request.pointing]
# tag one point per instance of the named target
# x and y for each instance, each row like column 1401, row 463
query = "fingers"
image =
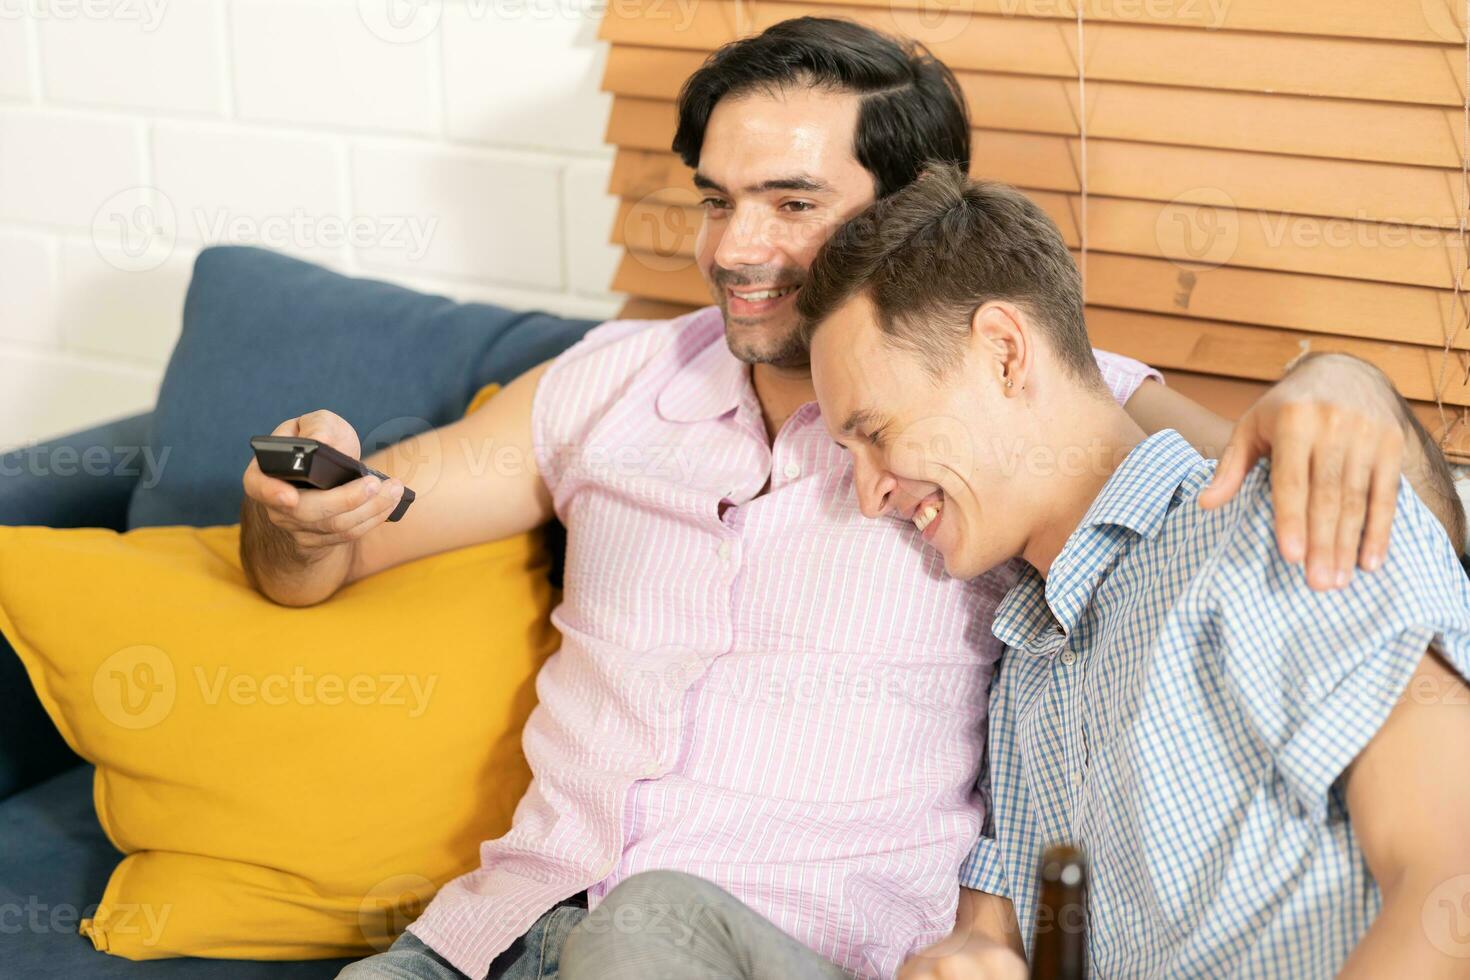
column 1357, row 478
column 1236, row 461
column 1324, row 504
column 1290, row 469
column 336, row 515
column 1383, row 496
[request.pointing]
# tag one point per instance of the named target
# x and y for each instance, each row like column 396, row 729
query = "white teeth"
column 926, row 518
column 764, row 294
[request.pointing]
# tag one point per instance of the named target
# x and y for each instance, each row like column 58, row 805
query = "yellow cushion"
column 286, row 783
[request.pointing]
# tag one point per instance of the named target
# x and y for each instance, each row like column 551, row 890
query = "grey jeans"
column 667, row 925
column 534, row 956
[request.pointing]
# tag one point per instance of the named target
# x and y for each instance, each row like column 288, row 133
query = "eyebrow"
column 861, row 416
column 796, row 182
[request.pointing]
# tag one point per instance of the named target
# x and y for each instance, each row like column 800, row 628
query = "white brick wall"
column 461, row 148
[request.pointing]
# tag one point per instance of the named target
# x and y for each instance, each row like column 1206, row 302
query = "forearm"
column 1402, row 940
column 991, row 916
column 281, row 571
column 1156, row 407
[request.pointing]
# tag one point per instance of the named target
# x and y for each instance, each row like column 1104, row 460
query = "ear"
column 1001, row 337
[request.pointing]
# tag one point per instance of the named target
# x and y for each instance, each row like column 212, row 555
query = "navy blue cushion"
column 54, row 863
column 267, row 337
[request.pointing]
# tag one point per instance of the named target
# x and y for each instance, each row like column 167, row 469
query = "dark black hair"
column 912, row 110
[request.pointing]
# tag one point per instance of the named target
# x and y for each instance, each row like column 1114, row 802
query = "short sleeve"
column 1316, row 674
column 984, row 870
column 582, row 382
column 1123, row 375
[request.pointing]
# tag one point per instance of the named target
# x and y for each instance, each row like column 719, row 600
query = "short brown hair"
column 933, row 253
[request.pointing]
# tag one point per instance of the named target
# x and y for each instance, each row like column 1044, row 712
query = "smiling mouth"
column 926, row 517
column 759, row 300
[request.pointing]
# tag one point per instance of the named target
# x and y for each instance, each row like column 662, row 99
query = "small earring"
column 1010, row 383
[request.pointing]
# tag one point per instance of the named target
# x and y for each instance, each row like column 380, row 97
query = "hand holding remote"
column 318, row 519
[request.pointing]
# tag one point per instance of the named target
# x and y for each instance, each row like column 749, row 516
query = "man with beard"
column 755, row 685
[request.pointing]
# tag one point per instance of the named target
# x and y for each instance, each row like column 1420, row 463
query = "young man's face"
column 777, row 175
column 918, row 444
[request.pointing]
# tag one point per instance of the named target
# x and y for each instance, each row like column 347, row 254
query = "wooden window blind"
column 1241, row 180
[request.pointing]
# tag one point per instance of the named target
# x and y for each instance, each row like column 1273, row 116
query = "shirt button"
column 1068, row 657
column 792, row 471
column 1077, row 777
column 724, row 551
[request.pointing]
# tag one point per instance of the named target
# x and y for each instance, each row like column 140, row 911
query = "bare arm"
column 475, row 480
column 1156, row 407
column 1409, row 800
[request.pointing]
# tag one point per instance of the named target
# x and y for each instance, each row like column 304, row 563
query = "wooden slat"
column 664, row 236
column 1183, row 343
column 1210, row 347
column 1366, row 131
column 1440, row 21
column 1192, row 235
column 1344, row 68
column 1292, row 185
column 1230, row 397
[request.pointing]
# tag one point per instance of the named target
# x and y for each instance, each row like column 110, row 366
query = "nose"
column 745, row 241
column 874, row 486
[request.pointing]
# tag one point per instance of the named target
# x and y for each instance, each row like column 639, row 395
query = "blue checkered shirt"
column 1175, row 699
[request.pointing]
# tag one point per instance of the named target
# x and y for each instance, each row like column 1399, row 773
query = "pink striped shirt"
column 783, row 698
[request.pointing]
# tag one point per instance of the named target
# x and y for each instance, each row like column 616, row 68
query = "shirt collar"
column 711, row 381
column 1132, row 504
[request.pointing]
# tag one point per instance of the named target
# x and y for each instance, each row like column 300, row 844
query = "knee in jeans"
column 674, row 890
column 659, row 906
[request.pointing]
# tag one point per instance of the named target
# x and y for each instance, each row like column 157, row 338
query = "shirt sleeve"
column 1123, row 374
column 580, row 384
column 1316, row 673
column 984, row 870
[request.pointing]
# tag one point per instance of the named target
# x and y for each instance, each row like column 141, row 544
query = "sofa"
column 264, row 337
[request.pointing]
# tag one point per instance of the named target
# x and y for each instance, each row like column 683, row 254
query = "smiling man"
column 755, row 686
column 1254, row 768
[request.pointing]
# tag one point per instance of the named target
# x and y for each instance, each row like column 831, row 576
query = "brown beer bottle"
column 1059, row 949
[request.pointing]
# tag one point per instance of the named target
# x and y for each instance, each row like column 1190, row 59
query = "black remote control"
column 314, row 465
